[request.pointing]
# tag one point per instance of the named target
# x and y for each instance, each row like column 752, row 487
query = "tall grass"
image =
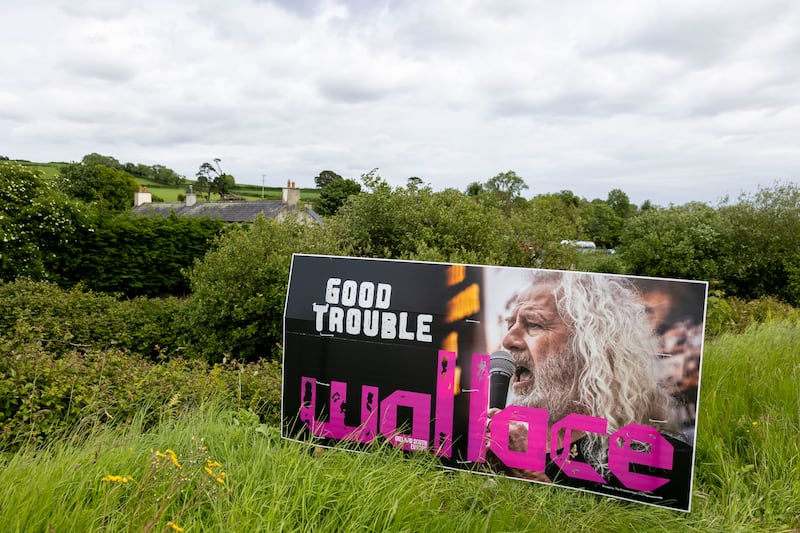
column 747, row 476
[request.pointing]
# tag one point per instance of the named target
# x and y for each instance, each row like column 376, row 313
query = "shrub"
column 74, row 318
column 137, row 255
column 44, row 395
column 735, row 315
column 239, row 290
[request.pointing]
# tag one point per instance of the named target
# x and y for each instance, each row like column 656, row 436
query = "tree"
column 167, row 176
column 109, row 188
column 601, row 223
column 334, row 194
column 102, row 160
column 205, row 177
column 39, row 225
column 679, row 242
column 416, row 223
column 646, row 205
column 325, row 177
column 223, row 184
column 507, row 185
column 569, row 198
column 620, row 203
column 761, row 239
column 239, row 288
column 474, row 189
column 217, row 181
column 537, row 230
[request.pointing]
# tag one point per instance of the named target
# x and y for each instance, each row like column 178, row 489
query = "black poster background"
column 483, row 296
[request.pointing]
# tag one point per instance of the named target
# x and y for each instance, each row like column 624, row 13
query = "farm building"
column 228, row 211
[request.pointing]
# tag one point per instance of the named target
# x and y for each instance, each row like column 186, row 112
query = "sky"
column 671, row 102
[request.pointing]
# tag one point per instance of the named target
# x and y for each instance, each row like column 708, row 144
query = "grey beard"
column 554, row 387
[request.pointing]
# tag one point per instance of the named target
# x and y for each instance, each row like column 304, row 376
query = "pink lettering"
column 420, row 421
column 533, row 456
column 576, row 469
column 655, row 451
column 445, row 395
column 632, row 444
column 478, row 409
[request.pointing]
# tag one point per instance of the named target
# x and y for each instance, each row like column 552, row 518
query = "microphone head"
column 502, row 362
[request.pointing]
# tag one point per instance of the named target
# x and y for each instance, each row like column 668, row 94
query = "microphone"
column 501, row 368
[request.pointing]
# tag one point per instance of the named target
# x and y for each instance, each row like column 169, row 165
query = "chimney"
column 291, row 194
column 141, row 197
column 191, row 199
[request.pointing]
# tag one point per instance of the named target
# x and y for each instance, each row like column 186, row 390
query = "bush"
column 45, row 395
column 143, row 256
column 74, row 318
column 239, row 290
column 735, row 315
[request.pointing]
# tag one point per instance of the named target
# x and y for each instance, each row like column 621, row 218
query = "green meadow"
column 212, row 466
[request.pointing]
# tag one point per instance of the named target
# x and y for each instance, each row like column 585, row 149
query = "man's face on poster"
column 538, row 339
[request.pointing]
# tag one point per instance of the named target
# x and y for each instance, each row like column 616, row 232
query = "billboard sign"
column 588, row 381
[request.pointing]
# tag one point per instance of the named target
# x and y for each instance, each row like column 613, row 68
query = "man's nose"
column 513, row 340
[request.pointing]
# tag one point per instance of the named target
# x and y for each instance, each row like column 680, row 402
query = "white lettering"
column 349, row 293
column 353, row 321
column 336, row 319
column 388, row 325
column 332, row 290
column 424, row 328
column 371, row 323
column 383, row 296
column 403, row 332
column 319, row 315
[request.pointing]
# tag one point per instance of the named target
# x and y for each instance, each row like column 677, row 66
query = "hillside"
column 170, row 194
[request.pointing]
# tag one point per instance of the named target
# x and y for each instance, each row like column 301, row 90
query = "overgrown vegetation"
column 120, row 476
column 53, row 388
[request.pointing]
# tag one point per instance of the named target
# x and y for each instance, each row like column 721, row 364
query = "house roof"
column 225, row 211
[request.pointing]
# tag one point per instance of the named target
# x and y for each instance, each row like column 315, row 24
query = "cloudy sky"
column 669, row 101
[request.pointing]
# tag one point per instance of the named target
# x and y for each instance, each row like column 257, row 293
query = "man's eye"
column 531, row 325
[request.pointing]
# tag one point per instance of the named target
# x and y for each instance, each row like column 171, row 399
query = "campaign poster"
column 587, row 381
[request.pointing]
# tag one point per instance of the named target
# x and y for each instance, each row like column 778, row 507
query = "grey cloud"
column 356, row 8
column 349, row 91
column 699, row 38
column 301, row 8
column 100, row 9
column 563, row 105
column 102, row 69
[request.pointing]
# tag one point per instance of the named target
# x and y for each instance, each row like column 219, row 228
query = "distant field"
column 47, row 170
column 170, row 194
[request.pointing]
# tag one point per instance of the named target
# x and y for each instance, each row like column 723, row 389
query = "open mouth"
column 523, row 376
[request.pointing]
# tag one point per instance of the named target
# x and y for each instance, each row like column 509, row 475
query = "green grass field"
column 47, row 170
column 238, row 475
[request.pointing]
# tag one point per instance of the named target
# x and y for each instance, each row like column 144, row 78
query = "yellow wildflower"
column 175, row 527
column 174, row 458
column 116, row 479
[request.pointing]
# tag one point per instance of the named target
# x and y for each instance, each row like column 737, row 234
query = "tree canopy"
column 107, row 187
column 325, row 177
column 334, row 194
